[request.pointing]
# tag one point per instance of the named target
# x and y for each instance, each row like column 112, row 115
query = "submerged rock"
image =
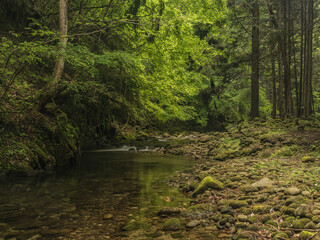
column 208, row 183
column 199, row 211
column 107, row 216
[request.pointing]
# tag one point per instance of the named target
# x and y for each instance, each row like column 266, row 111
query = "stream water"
column 106, row 195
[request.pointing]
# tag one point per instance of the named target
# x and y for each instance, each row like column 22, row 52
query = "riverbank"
column 254, row 181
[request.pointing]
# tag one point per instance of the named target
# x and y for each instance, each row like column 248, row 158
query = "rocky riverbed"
column 254, row 181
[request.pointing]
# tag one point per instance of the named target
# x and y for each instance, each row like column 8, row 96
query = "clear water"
column 104, row 196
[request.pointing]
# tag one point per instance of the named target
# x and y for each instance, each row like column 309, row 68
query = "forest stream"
column 107, row 195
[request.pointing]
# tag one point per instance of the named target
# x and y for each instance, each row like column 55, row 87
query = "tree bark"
column 255, row 60
column 308, row 57
column 81, row 7
column 57, row 73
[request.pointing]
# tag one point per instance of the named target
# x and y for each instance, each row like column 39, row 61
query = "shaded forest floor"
column 254, row 181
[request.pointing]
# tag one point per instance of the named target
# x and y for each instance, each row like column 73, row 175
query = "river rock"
column 305, row 235
column 4, row 226
column 169, row 211
column 303, row 210
column 292, row 191
column 280, row 236
column 208, row 183
column 200, row 211
column 193, row 224
column 264, row 182
column 172, row 224
column 238, row 204
column 300, row 223
column 107, row 216
column 35, row 237
column 261, row 208
column 308, row 159
column 250, row 188
column 205, row 138
column 306, row 193
column 242, row 218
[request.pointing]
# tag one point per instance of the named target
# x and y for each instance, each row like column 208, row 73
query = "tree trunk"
column 308, row 69
column 302, row 57
column 255, row 60
column 81, row 7
column 63, row 39
column 274, row 88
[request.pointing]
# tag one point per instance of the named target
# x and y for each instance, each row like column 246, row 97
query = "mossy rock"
column 238, row 204
column 305, row 235
column 280, row 236
column 308, row 159
column 260, row 208
column 252, row 219
column 172, row 224
column 271, row 223
column 288, row 210
column 208, row 183
column 265, row 218
column 300, row 223
column 241, row 225
column 316, row 219
column 22, row 168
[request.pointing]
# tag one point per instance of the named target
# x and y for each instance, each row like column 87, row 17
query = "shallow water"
column 104, row 196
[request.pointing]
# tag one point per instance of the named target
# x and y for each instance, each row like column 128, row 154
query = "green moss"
column 260, row 208
column 280, row 236
column 238, row 203
column 305, row 235
column 300, row 223
column 265, row 218
column 287, row 210
column 252, row 219
column 272, row 223
column 308, row 159
column 172, row 224
column 208, row 183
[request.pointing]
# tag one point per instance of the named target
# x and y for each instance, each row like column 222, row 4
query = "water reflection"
column 72, row 204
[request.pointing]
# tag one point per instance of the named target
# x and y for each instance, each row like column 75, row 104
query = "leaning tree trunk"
column 255, row 60
column 53, row 88
column 63, row 39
